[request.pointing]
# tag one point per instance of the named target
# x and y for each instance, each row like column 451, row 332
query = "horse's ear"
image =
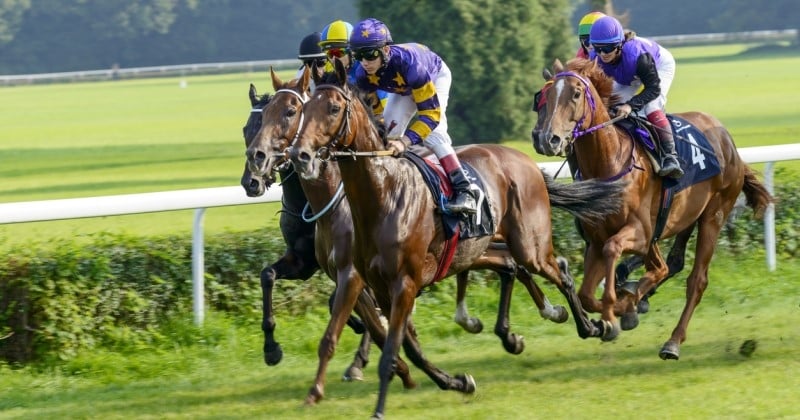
column 557, row 66
column 547, row 74
column 316, row 76
column 276, row 81
column 303, row 83
column 253, row 95
column 341, row 73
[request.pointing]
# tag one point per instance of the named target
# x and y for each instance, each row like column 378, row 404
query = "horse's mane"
column 603, row 84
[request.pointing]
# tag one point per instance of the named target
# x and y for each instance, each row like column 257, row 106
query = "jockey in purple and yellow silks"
column 418, row 82
column 642, row 71
column 334, row 43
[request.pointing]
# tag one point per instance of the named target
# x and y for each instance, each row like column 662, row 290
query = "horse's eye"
column 291, row 112
column 576, row 95
column 335, row 108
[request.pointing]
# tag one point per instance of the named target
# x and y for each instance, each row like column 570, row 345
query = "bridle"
column 578, row 132
column 326, row 153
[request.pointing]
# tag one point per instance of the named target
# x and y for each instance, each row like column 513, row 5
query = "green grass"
column 103, row 138
column 88, row 139
column 219, row 373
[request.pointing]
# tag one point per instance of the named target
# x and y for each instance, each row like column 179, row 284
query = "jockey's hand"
column 624, row 110
column 398, row 145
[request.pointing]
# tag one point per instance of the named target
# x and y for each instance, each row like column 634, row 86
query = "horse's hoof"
column 629, row 321
column 353, row 374
column 610, row 331
column 473, row 326
column 514, row 344
column 630, row 287
column 670, row 350
column 643, row 306
column 469, row 384
column 273, row 354
column 315, row 394
column 561, row 315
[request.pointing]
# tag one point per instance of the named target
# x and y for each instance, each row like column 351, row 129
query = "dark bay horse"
column 574, row 119
column 399, row 239
column 334, row 231
column 299, row 261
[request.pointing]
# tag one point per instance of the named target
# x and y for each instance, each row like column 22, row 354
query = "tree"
column 11, row 12
column 495, row 50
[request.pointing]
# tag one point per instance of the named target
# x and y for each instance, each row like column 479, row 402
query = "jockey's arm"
column 648, row 73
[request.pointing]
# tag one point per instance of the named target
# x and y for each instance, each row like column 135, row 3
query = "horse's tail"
column 591, row 201
column 758, row 198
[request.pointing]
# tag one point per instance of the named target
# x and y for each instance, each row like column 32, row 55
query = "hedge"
column 120, row 290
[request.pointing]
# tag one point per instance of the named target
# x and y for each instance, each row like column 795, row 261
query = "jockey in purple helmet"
column 638, row 65
column 418, row 82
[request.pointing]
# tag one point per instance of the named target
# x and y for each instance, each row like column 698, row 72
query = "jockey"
column 334, row 42
column 638, row 64
column 583, row 32
column 418, row 82
column 310, row 53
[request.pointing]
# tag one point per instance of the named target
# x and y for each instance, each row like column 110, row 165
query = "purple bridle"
column 577, row 132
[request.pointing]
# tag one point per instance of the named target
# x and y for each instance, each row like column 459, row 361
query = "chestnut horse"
column 399, row 239
column 334, row 230
column 574, row 119
column 299, row 261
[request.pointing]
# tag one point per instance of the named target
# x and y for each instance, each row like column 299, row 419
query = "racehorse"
column 278, row 123
column 299, row 260
column 399, row 238
column 574, row 119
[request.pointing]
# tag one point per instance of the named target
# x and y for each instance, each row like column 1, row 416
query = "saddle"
column 467, row 226
column 456, row 226
column 695, row 154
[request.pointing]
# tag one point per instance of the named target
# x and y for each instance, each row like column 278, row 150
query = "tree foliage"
column 495, row 51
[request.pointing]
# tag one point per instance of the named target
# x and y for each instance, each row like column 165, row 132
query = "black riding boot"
column 464, row 200
column 670, row 166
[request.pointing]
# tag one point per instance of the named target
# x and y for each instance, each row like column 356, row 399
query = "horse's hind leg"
column 557, row 314
column 511, row 342
column 462, row 318
column 707, row 235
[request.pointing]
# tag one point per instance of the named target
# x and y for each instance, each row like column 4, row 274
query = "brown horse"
column 265, row 145
column 299, row 261
column 574, row 119
column 399, row 239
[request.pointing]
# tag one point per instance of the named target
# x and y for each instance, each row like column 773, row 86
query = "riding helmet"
column 586, row 22
column 606, row 30
column 370, row 33
column 336, row 34
column 309, row 47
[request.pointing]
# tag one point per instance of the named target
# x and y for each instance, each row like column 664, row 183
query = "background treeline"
column 495, row 49
column 38, row 36
column 121, row 291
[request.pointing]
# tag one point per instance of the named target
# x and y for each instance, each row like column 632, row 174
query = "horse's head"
column 335, row 119
column 568, row 104
column 254, row 186
column 280, row 121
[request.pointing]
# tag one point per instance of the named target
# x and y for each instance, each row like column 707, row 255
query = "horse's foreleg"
column 624, row 239
column 462, row 318
column 348, row 289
